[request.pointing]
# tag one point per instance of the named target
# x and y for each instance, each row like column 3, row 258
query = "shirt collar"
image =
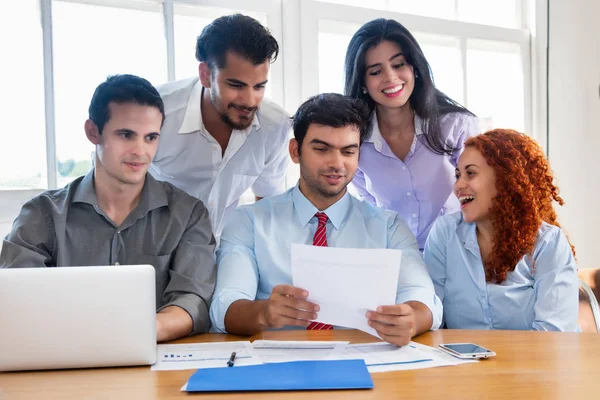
column 467, row 233
column 153, row 194
column 192, row 120
column 306, row 210
column 376, row 137
column 85, row 192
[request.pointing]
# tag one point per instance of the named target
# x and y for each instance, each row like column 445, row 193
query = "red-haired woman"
column 503, row 262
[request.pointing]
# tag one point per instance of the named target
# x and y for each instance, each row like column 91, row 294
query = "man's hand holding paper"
column 287, row 306
column 347, row 283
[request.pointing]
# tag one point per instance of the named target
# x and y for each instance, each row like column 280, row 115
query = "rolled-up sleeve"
column 237, row 268
column 31, row 240
column 556, row 284
column 193, row 271
column 271, row 180
column 414, row 283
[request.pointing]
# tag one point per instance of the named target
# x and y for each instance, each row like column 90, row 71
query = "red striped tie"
column 320, row 239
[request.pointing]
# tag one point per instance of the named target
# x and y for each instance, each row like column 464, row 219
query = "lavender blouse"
column 420, row 187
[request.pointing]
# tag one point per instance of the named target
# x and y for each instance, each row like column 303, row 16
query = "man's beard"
column 315, row 185
column 244, row 122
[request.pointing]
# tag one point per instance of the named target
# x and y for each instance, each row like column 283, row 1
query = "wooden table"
column 528, row 365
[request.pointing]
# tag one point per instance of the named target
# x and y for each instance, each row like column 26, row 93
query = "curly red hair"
column 526, row 191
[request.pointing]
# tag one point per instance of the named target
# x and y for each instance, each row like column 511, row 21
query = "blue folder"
column 297, row 375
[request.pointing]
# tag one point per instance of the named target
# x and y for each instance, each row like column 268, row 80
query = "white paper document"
column 203, row 355
column 346, row 283
column 383, row 357
column 273, row 351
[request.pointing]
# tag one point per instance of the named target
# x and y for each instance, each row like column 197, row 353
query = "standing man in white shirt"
column 220, row 137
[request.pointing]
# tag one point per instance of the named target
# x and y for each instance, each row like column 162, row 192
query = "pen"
column 231, row 360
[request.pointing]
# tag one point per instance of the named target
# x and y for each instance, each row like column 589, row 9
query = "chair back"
column 591, row 276
column 589, row 310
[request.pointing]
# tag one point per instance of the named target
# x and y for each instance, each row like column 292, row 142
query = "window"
column 375, row 4
column 334, row 38
column 428, row 8
column 505, row 13
column 478, row 65
column 444, row 57
column 88, row 47
column 478, row 51
column 22, row 138
column 495, row 84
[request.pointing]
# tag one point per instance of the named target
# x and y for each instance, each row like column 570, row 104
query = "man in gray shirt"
column 119, row 214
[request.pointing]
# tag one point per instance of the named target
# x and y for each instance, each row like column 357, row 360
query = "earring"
column 364, row 90
column 416, row 75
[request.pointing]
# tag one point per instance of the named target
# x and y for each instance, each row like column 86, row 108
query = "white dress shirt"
column 191, row 159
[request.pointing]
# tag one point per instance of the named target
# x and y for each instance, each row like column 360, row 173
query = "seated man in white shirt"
column 254, row 290
column 220, row 137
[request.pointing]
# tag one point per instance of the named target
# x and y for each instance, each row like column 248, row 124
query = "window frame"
column 311, row 11
column 294, row 23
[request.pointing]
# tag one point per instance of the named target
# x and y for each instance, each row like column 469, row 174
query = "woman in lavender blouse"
column 417, row 132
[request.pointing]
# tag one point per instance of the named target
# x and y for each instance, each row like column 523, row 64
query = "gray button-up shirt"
column 169, row 229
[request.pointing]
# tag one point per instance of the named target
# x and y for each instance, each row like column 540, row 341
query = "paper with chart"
column 346, row 283
column 383, row 357
column 203, row 355
column 273, row 351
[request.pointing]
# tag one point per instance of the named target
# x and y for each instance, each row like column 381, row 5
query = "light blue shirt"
column 255, row 251
column 542, row 297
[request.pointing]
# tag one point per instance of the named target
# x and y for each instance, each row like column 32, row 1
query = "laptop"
column 77, row 317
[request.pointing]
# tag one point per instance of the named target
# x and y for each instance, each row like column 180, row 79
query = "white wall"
column 574, row 119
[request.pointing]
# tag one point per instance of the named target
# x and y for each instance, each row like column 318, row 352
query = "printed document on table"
column 203, row 355
column 383, row 357
column 346, row 283
column 274, row 351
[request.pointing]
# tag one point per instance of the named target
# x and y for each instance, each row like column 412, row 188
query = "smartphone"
column 466, row 350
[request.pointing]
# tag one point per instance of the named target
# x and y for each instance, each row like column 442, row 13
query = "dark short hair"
column 122, row 89
column 331, row 109
column 240, row 34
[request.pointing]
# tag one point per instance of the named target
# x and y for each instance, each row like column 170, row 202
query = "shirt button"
column 117, row 263
column 119, row 232
column 408, row 194
column 214, row 148
column 212, row 204
column 414, row 215
column 403, row 167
